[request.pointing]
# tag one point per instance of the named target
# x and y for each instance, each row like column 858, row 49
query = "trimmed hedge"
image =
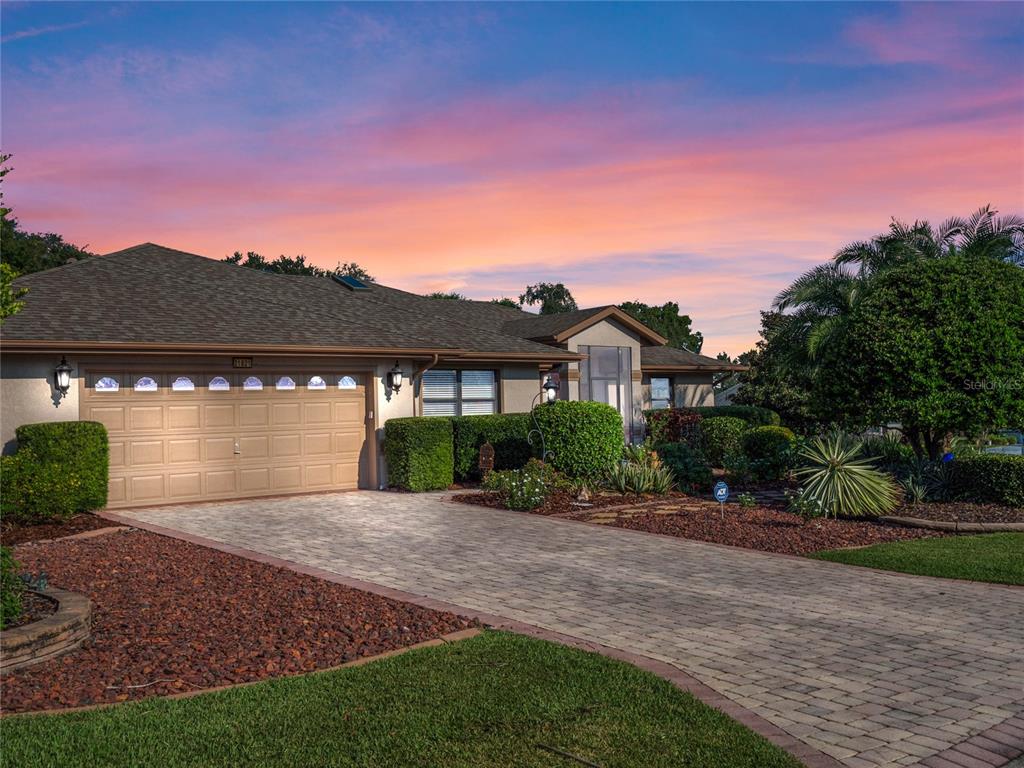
column 770, row 451
column 721, row 436
column 60, row 469
column 507, row 432
column 989, row 477
column 584, row 438
column 420, row 453
column 673, row 425
column 752, row 414
column 688, row 467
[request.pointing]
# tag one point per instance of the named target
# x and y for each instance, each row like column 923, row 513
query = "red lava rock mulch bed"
column 767, row 530
column 689, row 517
column 169, row 617
column 959, row 511
column 14, row 533
column 558, row 503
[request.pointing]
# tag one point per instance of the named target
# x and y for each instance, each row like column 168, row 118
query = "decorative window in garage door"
column 183, row 384
column 252, row 383
column 145, row 384
column 316, row 382
column 346, row 382
column 107, row 384
column 286, row 382
column 219, row 384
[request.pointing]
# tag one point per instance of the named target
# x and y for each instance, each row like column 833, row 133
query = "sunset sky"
column 699, row 153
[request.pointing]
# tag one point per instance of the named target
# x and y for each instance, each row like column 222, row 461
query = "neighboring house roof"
column 559, row 327
column 156, row 297
column 669, row 359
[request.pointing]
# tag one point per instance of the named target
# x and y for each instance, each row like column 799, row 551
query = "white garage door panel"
column 179, row 445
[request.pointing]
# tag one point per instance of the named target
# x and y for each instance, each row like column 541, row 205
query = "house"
column 217, row 382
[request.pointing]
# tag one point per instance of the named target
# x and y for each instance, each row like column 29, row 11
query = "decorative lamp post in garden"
column 549, row 393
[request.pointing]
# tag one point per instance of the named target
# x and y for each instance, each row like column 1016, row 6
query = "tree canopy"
column 294, row 265
column 667, row 321
column 937, row 346
column 448, row 296
column 552, row 297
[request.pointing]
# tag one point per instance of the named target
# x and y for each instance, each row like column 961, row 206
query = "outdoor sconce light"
column 550, row 390
column 62, row 376
column 395, row 378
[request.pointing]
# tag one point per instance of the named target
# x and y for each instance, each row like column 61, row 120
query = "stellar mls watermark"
column 994, row 384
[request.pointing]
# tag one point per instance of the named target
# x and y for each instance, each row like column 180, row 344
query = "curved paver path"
column 869, row 667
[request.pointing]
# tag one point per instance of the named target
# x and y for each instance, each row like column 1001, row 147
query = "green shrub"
column 838, row 481
column 889, row 453
column 11, row 587
column 989, row 477
column 770, row 451
column 754, row 415
column 506, row 432
column 420, row 454
column 673, row 425
column 721, row 435
column 630, row 477
column 60, row 469
column 583, row 438
column 526, row 488
column 687, row 465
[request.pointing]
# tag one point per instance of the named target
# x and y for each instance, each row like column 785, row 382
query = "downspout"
column 416, row 378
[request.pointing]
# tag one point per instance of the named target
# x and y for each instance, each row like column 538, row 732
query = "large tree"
column 552, row 297
column 668, row 322
column 937, row 346
column 294, row 265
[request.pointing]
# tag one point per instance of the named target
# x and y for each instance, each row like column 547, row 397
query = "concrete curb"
column 953, row 526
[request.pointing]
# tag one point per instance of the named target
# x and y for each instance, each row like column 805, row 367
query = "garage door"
column 191, row 436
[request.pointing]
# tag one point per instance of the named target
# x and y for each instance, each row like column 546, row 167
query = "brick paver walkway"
column 872, row 668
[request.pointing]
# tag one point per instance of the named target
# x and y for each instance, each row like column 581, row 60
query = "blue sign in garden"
column 721, row 491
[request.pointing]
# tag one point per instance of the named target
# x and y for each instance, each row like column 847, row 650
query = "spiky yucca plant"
column 842, row 482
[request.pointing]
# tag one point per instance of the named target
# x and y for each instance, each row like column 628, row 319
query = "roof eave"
column 693, row 368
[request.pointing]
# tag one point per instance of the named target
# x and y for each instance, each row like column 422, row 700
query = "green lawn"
column 487, row 701
column 992, row 557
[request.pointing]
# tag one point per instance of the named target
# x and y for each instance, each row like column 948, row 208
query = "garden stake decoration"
column 550, row 393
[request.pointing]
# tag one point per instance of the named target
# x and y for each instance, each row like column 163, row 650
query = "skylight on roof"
column 352, row 283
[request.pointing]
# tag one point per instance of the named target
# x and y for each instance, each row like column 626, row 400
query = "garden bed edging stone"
column 50, row 637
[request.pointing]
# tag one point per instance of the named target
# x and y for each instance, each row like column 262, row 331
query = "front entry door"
column 605, row 377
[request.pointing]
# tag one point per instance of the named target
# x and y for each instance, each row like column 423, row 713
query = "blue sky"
column 702, row 153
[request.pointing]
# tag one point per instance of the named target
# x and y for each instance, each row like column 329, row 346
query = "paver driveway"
column 872, row 668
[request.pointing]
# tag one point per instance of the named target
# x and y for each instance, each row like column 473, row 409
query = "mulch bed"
column 169, row 617
column 558, row 503
column 689, row 517
column 15, row 533
column 767, row 530
column 958, row 511
column 33, row 608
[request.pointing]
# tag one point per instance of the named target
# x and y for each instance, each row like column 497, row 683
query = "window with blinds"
column 459, row 393
column 661, row 393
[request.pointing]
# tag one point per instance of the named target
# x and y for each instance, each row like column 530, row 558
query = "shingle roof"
column 149, row 294
column 681, row 359
column 548, row 326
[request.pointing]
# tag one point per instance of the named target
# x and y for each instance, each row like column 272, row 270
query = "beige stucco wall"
column 519, row 386
column 27, row 394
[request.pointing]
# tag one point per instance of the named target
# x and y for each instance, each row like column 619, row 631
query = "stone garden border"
column 952, row 526
column 49, row 637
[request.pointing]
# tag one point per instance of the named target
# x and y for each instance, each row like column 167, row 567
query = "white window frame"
column 667, row 401
column 458, row 400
